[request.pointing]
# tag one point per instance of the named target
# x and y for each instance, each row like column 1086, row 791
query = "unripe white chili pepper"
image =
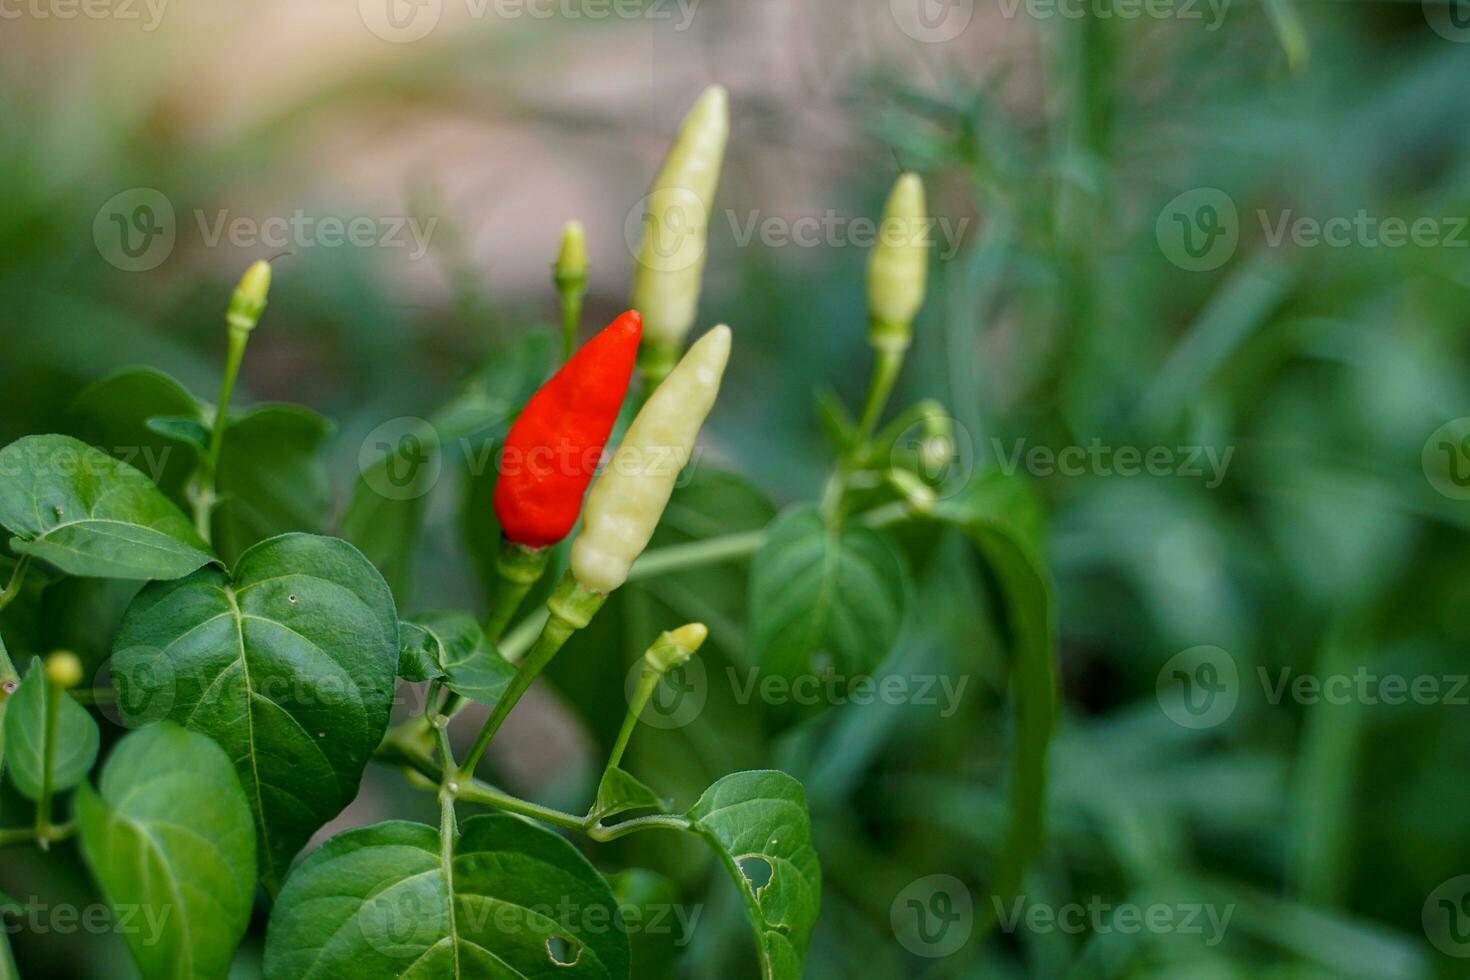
column 898, row 265
column 626, row 502
column 670, row 266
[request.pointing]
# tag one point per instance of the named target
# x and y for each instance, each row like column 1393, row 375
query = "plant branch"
column 17, row 579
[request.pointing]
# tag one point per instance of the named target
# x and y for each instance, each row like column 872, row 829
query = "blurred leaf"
column 171, row 841
column 651, row 910
column 271, row 477
column 1000, row 516
column 114, row 415
column 76, row 737
column 826, row 605
column 288, row 662
column 379, row 901
column 90, row 514
column 758, row 824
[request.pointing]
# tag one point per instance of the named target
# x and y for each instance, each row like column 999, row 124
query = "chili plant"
column 258, row 666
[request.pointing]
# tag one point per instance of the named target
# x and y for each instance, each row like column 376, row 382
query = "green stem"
column 673, row 558
column 743, row 544
column 517, row 569
column 204, row 495
column 48, row 761
column 17, row 579
column 553, row 636
column 660, row 821
column 885, row 373
column 486, row 795
column 646, row 685
column 571, row 317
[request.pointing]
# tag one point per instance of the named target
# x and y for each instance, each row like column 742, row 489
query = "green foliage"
column 28, row 725
column 288, row 662
column 757, row 823
column 451, row 646
column 506, row 899
column 827, row 603
column 86, row 513
column 169, row 837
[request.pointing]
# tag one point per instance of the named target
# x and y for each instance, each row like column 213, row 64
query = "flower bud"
column 570, row 270
column 674, row 648
column 898, row 265
column 248, row 302
column 63, row 669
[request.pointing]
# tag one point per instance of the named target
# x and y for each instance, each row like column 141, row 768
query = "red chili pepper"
column 553, row 448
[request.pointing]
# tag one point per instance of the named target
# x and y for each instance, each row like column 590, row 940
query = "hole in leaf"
column 290, row 598
column 563, row 951
column 757, row 871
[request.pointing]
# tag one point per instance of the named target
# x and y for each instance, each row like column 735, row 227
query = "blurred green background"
column 1079, row 308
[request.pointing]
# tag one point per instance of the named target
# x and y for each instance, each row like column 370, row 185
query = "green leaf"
column 621, row 791
column 824, row 603
column 758, row 824
column 271, row 477
column 452, row 645
column 170, row 839
column 651, row 910
column 117, row 414
column 289, row 663
column 1003, row 519
column 516, row 901
column 90, row 514
column 25, row 737
column 187, row 429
